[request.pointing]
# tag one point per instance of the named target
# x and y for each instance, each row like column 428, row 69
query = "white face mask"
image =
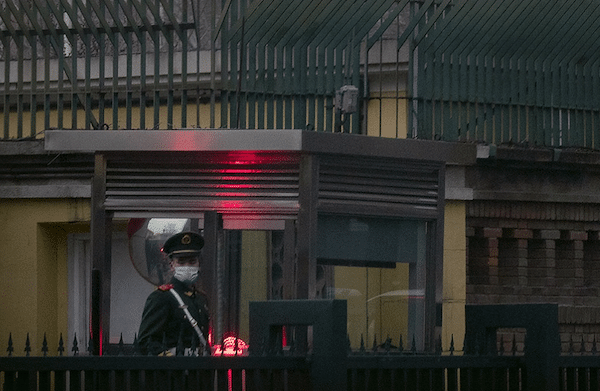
column 187, row 274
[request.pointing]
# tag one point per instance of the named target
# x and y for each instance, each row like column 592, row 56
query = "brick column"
column 591, row 259
column 542, row 257
column 569, row 258
column 512, row 257
column 483, row 256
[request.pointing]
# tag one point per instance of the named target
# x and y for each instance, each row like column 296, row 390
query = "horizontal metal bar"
column 103, row 363
column 99, row 30
column 407, row 361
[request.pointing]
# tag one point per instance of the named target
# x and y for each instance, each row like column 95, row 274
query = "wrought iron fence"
column 388, row 365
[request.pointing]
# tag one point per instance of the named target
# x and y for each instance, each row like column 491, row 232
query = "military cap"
column 183, row 243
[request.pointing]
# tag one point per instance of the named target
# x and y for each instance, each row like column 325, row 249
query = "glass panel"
column 388, row 300
column 366, row 241
column 378, row 302
column 384, row 285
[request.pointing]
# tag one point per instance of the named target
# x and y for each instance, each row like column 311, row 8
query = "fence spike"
column 413, row 348
column 279, row 342
column 452, row 344
column 223, row 345
column 61, row 345
column 401, row 345
column 27, row 346
column 292, row 345
column 136, row 345
column 121, row 350
column 75, row 348
column 45, row 346
column 438, row 347
column 582, row 346
column 180, row 349
column 106, row 346
column 387, row 344
column 164, row 342
column 10, row 347
column 348, row 344
column 90, row 347
column 194, row 346
column 362, row 344
column 514, row 345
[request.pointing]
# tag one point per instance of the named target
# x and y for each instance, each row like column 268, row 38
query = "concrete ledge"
column 23, row 147
column 46, row 191
column 526, row 153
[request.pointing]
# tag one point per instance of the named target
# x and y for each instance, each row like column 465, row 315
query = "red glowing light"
column 284, row 336
column 229, row 347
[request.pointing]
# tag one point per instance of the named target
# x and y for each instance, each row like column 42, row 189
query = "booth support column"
column 213, row 225
column 101, row 232
column 307, row 227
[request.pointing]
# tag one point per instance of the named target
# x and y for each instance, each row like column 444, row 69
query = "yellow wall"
column 194, row 120
column 386, row 116
column 255, row 272
column 33, row 237
column 455, row 275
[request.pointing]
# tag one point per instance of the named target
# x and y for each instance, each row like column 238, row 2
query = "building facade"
column 519, row 214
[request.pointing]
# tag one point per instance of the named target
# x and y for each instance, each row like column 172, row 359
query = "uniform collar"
column 180, row 286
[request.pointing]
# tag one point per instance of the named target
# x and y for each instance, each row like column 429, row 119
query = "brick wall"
column 536, row 252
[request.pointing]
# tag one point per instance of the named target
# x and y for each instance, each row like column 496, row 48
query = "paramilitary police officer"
column 177, row 310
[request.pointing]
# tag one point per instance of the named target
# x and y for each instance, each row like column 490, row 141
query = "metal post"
column 101, row 257
column 328, row 318
column 543, row 340
column 307, row 228
column 212, row 226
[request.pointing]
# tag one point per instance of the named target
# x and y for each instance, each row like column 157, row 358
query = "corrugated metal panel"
column 351, row 185
column 267, row 185
column 243, row 183
column 44, row 168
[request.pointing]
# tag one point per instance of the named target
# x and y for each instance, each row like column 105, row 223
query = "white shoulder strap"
column 189, row 317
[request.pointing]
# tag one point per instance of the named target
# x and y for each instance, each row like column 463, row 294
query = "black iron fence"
column 380, row 368
column 319, row 359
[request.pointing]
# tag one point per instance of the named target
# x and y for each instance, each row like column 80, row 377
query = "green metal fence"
column 196, row 63
column 96, row 64
column 493, row 71
column 508, row 72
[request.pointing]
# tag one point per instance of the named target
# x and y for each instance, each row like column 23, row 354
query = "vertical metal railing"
column 523, row 73
column 91, row 64
column 498, row 72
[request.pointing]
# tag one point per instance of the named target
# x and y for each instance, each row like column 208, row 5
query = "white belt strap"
column 189, row 317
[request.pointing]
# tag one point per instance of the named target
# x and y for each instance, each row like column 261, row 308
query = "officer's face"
column 186, row 260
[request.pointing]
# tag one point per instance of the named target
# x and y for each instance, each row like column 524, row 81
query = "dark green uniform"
column 163, row 317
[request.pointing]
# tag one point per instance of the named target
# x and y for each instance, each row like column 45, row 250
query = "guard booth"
column 341, row 216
